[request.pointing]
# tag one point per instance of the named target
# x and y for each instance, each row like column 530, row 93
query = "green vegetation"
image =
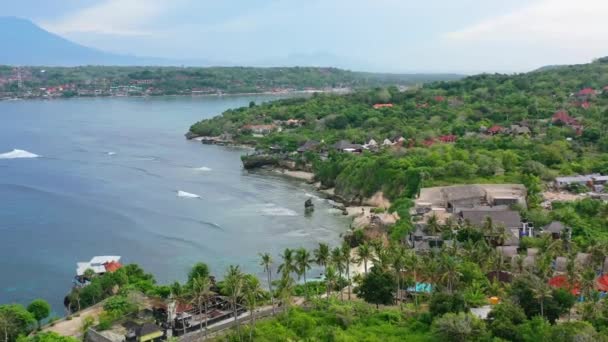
column 336, row 321
column 40, row 309
column 107, row 80
column 477, row 112
column 15, row 320
column 46, row 337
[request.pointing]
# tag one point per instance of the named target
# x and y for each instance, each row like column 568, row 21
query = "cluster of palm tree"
column 239, row 288
column 440, row 267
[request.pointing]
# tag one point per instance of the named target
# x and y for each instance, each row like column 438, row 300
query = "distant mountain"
column 25, row 43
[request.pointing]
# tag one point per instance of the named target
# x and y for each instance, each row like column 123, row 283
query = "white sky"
column 381, row 35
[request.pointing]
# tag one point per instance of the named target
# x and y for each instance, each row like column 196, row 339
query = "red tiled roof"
column 561, row 282
column 495, row 129
column 182, row 307
column 586, row 91
column 439, row 98
column 383, row 105
column 585, row 105
column 112, row 266
column 601, row 283
column 429, row 142
column 448, row 138
column 563, row 117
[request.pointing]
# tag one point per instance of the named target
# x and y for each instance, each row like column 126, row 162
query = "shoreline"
column 362, row 214
column 264, row 93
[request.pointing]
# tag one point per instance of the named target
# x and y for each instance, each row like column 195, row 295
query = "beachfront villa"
column 99, row 265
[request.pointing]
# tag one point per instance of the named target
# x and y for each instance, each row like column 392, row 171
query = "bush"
column 120, row 305
column 459, row 327
column 442, row 303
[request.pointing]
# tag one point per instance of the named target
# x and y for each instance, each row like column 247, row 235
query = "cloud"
column 113, row 17
column 545, row 21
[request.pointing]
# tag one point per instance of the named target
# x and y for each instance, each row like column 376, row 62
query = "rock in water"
column 308, row 205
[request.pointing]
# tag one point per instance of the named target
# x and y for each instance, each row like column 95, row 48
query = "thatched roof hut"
column 561, row 264
column 530, row 261
column 583, row 259
column 532, row 251
column 508, row 252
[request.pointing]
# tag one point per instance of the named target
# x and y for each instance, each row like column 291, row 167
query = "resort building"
column 99, row 265
column 470, row 196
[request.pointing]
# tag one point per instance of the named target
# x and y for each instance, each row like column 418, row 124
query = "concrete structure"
column 469, row 196
column 97, row 264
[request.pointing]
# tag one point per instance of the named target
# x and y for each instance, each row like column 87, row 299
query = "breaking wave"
column 203, row 168
column 272, row 209
column 15, row 154
column 184, row 194
column 313, row 196
column 297, row 233
column 111, row 153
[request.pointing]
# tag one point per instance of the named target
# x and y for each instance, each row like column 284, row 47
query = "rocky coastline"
column 370, row 215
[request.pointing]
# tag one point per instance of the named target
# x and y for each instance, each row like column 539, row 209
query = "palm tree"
column 541, row 291
column 450, row 271
column 587, row 282
column 285, row 289
column 519, row 262
column 180, row 294
column 488, row 228
column 398, row 261
column 412, row 263
column 598, row 251
column 287, row 267
column 347, row 259
column 233, row 287
column 201, row 288
column 303, row 260
column 252, row 293
column 338, row 262
column 322, row 256
column 432, row 225
column 364, row 254
column 266, row 262
column 330, row 279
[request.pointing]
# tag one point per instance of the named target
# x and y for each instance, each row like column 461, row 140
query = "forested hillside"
column 107, row 80
column 525, row 128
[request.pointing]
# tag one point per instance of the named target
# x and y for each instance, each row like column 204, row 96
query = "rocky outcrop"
column 191, row 135
column 259, row 160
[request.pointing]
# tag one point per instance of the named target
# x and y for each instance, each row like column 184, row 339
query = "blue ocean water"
column 106, row 182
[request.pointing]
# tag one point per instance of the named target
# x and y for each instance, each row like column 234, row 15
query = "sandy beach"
column 302, row 175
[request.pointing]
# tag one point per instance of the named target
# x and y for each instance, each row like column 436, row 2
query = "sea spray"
column 184, row 194
column 16, row 154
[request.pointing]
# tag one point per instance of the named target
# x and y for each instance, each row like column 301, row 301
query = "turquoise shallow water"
column 106, row 182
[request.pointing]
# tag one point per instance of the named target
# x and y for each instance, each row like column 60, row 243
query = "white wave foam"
column 297, row 233
column 203, row 168
column 14, row 154
column 334, row 211
column 272, row 209
column 111, row 153
column 313, row 196
column 184, row 194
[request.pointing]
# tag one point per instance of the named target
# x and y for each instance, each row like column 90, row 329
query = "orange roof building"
column 112, row 266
